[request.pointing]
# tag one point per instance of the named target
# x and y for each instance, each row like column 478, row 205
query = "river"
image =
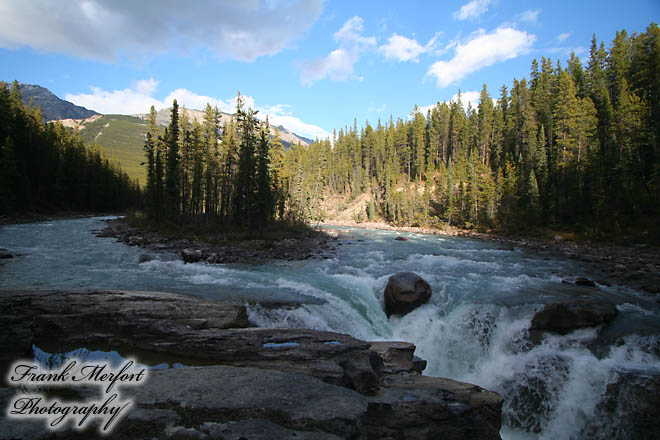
column 473, row 329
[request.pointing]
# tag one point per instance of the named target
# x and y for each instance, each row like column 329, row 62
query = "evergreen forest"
column 575, row 147
column 45, row 167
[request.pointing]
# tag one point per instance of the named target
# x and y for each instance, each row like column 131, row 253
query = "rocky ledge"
column 304, row 246
column 251, row 383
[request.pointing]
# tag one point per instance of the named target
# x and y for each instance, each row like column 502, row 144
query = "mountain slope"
column 121, row 138
column 52, row 107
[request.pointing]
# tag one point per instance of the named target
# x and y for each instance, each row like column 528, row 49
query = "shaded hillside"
column 46, row 168
column 52, row 107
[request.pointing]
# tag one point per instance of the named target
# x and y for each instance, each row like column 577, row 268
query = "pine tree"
column 172, row 183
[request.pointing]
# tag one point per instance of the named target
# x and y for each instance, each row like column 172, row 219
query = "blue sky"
column 311, row 65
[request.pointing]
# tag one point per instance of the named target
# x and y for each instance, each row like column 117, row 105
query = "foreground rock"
column 563, row 318
column 405, row 291
column 265, row 383
column 221, row 394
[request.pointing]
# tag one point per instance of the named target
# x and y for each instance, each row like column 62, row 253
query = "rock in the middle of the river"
column 405, row 292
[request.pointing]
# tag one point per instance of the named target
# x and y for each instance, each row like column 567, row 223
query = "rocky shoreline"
column 253, row 383
column 633, row 265
column 309, row 245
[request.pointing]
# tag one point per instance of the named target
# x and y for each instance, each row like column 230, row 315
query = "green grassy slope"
column 121, row 138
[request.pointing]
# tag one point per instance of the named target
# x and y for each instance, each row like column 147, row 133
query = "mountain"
column 52, row 107
column 121, row 137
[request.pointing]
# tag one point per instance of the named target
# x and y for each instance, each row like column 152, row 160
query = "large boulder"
column 565, row 317
column 191, row 255
column 632, row 401
column 405, row 291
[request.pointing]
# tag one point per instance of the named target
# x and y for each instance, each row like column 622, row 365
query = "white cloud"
column 127, row 101
column 530, row 16
column 139, row 100
column 401, row 48
column 101, row 30
column 563, row 37
column 350, row 33
column 298, row 127
column 472, row 10
column 147, row 86
column 471, row 97
column 482, row 50
column 339, row 64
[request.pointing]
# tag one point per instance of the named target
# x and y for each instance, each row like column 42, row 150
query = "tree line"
column 227, row 176
column 575, row 146
column 46, row 167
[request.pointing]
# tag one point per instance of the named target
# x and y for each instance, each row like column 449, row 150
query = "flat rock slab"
column 179, row 325
column 29, row 317
column 422, row 407
column 222, row 394
column 223, row 402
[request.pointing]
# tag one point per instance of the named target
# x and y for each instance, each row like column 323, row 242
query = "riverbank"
column 633, row 265
column 36, row 217
column 220, row 248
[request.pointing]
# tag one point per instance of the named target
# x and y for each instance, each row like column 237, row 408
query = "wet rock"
column 4, row 254
column 581, row 281
column 531, row 392
column 421, row 407
column 632, row 402
column 565, row 317
column 143, row 258
column 191, row 255
column 650, row 288
column 397, row 356
column 405, row 291
column 134, row 240
column 419, row 364
column 401, row 239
